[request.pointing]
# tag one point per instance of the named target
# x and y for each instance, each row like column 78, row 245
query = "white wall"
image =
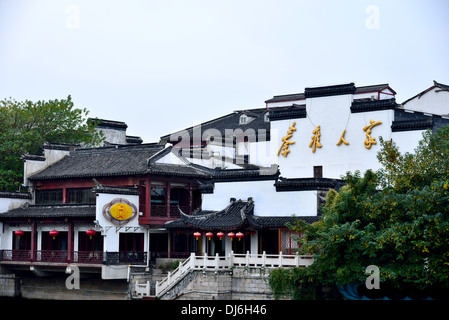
column 333, row 115
column 267, row 202
column 407, row 141
column 7, row 204
column 112, row 232
column 435, row 101
column 33, row 166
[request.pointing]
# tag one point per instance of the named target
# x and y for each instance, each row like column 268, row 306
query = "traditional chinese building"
column 230, row 184
column 313, row 139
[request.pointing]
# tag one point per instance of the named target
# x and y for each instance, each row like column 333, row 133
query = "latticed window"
column 53, row 196
column 289, row 243
column 84, row 195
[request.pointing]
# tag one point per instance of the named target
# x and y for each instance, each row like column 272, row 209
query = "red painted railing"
column 61, row 256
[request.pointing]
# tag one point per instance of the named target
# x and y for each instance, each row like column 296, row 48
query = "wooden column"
column 33, row 245
column 167, row 198
column 190, row 199
column 70, row 242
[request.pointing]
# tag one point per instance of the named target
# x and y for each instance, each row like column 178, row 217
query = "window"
column 49, row 196
column 243, row 119
column 90, row 243
column 131, row 242
column 318, row 171
column 23, row 242
column 158, row 206
column 80, row 196
column 158, row 196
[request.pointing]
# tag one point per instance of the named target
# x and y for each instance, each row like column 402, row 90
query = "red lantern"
column 197, row 235
column 209, row 235
column 19, row 233
column 239, row 235
column 220, row 234
column 91, row 233
column 54, row 233
column 231, row 235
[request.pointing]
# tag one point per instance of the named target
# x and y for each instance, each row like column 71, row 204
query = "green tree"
column 25, row 126
column 396, row 218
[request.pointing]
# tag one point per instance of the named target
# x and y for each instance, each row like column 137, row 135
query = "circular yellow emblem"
column 121, row 211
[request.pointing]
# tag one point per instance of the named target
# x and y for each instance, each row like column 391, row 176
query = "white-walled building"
column 243, row 175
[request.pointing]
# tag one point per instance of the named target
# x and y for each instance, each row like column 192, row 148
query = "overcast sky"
column 166, row 65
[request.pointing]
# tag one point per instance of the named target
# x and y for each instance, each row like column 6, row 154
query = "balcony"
column 81, row 257
column 161, row 211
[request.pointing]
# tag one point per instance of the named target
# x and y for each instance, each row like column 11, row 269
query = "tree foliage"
column 396, row 218
column 25, row 126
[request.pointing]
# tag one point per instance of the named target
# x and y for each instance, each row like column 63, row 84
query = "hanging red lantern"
column 231, row 235
column 197, row 235
column 54, row 233
column 91, row 233
column 19, row 233
column 209, row 235
column 239, row 235
column 220, row 234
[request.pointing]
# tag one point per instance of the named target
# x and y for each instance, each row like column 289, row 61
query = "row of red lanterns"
column 55, row 233
column 220, row 234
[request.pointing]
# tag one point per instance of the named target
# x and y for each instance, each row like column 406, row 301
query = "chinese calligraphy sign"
column 342, row 139
column 315, row 139
column 370, row 140
column 286, row 142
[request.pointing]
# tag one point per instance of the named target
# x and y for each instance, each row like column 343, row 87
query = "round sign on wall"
column 119, row 211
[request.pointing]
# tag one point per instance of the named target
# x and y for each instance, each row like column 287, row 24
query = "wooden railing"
column 62, row 256
column 217, row 263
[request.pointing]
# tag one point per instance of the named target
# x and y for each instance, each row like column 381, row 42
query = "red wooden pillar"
column 190, row 199
column 147, row 199
column 33, row 245
column 167, row 200
column 64, row 195
column 70, row 242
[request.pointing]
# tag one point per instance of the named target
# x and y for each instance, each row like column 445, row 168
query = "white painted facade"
column 434, row 100
column 267, row 201
column 333, row 115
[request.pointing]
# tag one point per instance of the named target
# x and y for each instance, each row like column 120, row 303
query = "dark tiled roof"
column 373, row 105
column 112, row 124
column 98, row 162
column 415, row 120
column 302, row 96
column 232, row 217
column 116, row 190
column 51, row 211
column 293, row 112
column 259, row 222
column 239, row 214
column 15, row 195
column 302, row 184
column 348, row 88
column 228, row 122
column 167, row 169
column 408, row 125
column 263, row 173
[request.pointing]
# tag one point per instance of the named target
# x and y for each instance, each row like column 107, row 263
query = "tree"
column 396, row 219
column 25, row 126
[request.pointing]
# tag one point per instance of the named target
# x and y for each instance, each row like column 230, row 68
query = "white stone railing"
column 216, row 263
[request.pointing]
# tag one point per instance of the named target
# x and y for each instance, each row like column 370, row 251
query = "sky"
column 162, row 66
